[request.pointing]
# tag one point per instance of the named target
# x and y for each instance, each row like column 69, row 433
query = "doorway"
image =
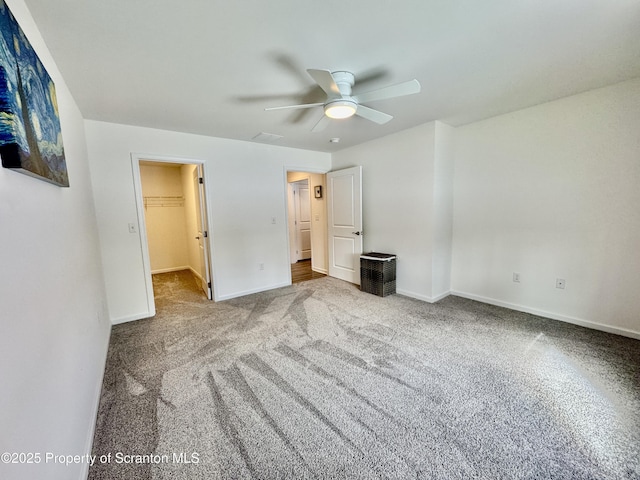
column 172, row 221
column 307, row 225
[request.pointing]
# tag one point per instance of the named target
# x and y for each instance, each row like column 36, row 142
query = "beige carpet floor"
column 320, row 380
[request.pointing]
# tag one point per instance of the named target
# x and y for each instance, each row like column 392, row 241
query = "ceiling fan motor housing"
column 344, row 81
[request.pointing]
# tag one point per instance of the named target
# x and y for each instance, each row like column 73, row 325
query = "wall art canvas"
column 30, row 136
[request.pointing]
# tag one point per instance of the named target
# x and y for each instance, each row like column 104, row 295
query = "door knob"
column 357, row 233
column 198, row 238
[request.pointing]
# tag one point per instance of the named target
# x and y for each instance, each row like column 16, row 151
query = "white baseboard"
column 94, row 414
column 249, row 292
column 172, row 269
column 131, row 318
column 554, row 316
column 320, row 270
column 197, row 275
column 437, row 298
column 424, row 298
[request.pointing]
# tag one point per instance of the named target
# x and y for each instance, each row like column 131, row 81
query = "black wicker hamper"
column 378, row 273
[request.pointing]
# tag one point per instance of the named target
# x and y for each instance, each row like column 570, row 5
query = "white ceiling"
column 211, row 67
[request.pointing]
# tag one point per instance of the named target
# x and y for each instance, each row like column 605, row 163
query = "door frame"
column 294, row 169
column 136, row 158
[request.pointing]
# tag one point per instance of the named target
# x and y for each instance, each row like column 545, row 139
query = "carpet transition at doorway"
column 320, row 380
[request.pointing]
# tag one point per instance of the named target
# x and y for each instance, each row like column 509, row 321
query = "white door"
column 203, row 234
column 344, row 198
column 303, row 220
column 299, row 204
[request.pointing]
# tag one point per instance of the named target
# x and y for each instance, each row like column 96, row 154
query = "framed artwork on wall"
column 30, row 135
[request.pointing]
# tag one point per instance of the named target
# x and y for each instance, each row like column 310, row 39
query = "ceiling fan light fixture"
column 340, row 109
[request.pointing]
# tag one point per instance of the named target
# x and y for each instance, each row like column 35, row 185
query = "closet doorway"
column 173, row 224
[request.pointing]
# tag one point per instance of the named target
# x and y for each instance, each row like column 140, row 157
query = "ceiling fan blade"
column 373, row 115
column 321, row 125
column 264, row 98
column 326, row 82
column 399, row 90
column 306, row 105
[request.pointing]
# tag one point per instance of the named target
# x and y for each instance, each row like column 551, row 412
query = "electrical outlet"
column 516, row 277
column 132, row 228
column 560, row 283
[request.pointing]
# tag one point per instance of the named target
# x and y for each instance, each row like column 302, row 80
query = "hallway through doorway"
column 301, row 271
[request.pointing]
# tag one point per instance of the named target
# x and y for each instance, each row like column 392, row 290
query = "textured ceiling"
column 211, row 67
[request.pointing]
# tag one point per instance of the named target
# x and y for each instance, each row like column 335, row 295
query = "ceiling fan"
column 340, row 103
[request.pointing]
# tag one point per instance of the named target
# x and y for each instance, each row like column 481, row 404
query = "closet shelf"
column 163, row 201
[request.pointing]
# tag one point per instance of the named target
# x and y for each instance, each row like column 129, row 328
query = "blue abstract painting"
column 30, row 136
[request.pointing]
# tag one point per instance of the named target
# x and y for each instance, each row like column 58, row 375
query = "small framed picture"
column 318, row 191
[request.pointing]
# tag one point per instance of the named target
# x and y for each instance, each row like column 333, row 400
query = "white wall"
column 442, row 209
column 552, row 192
column 165, row 217
column 400, row 200
column 246, row 188
column 319, row 260
column 54, row 326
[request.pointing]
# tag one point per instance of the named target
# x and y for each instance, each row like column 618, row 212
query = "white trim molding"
column 249, row 292
column 424, row 298
column 172, row 269
column 131, row 318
